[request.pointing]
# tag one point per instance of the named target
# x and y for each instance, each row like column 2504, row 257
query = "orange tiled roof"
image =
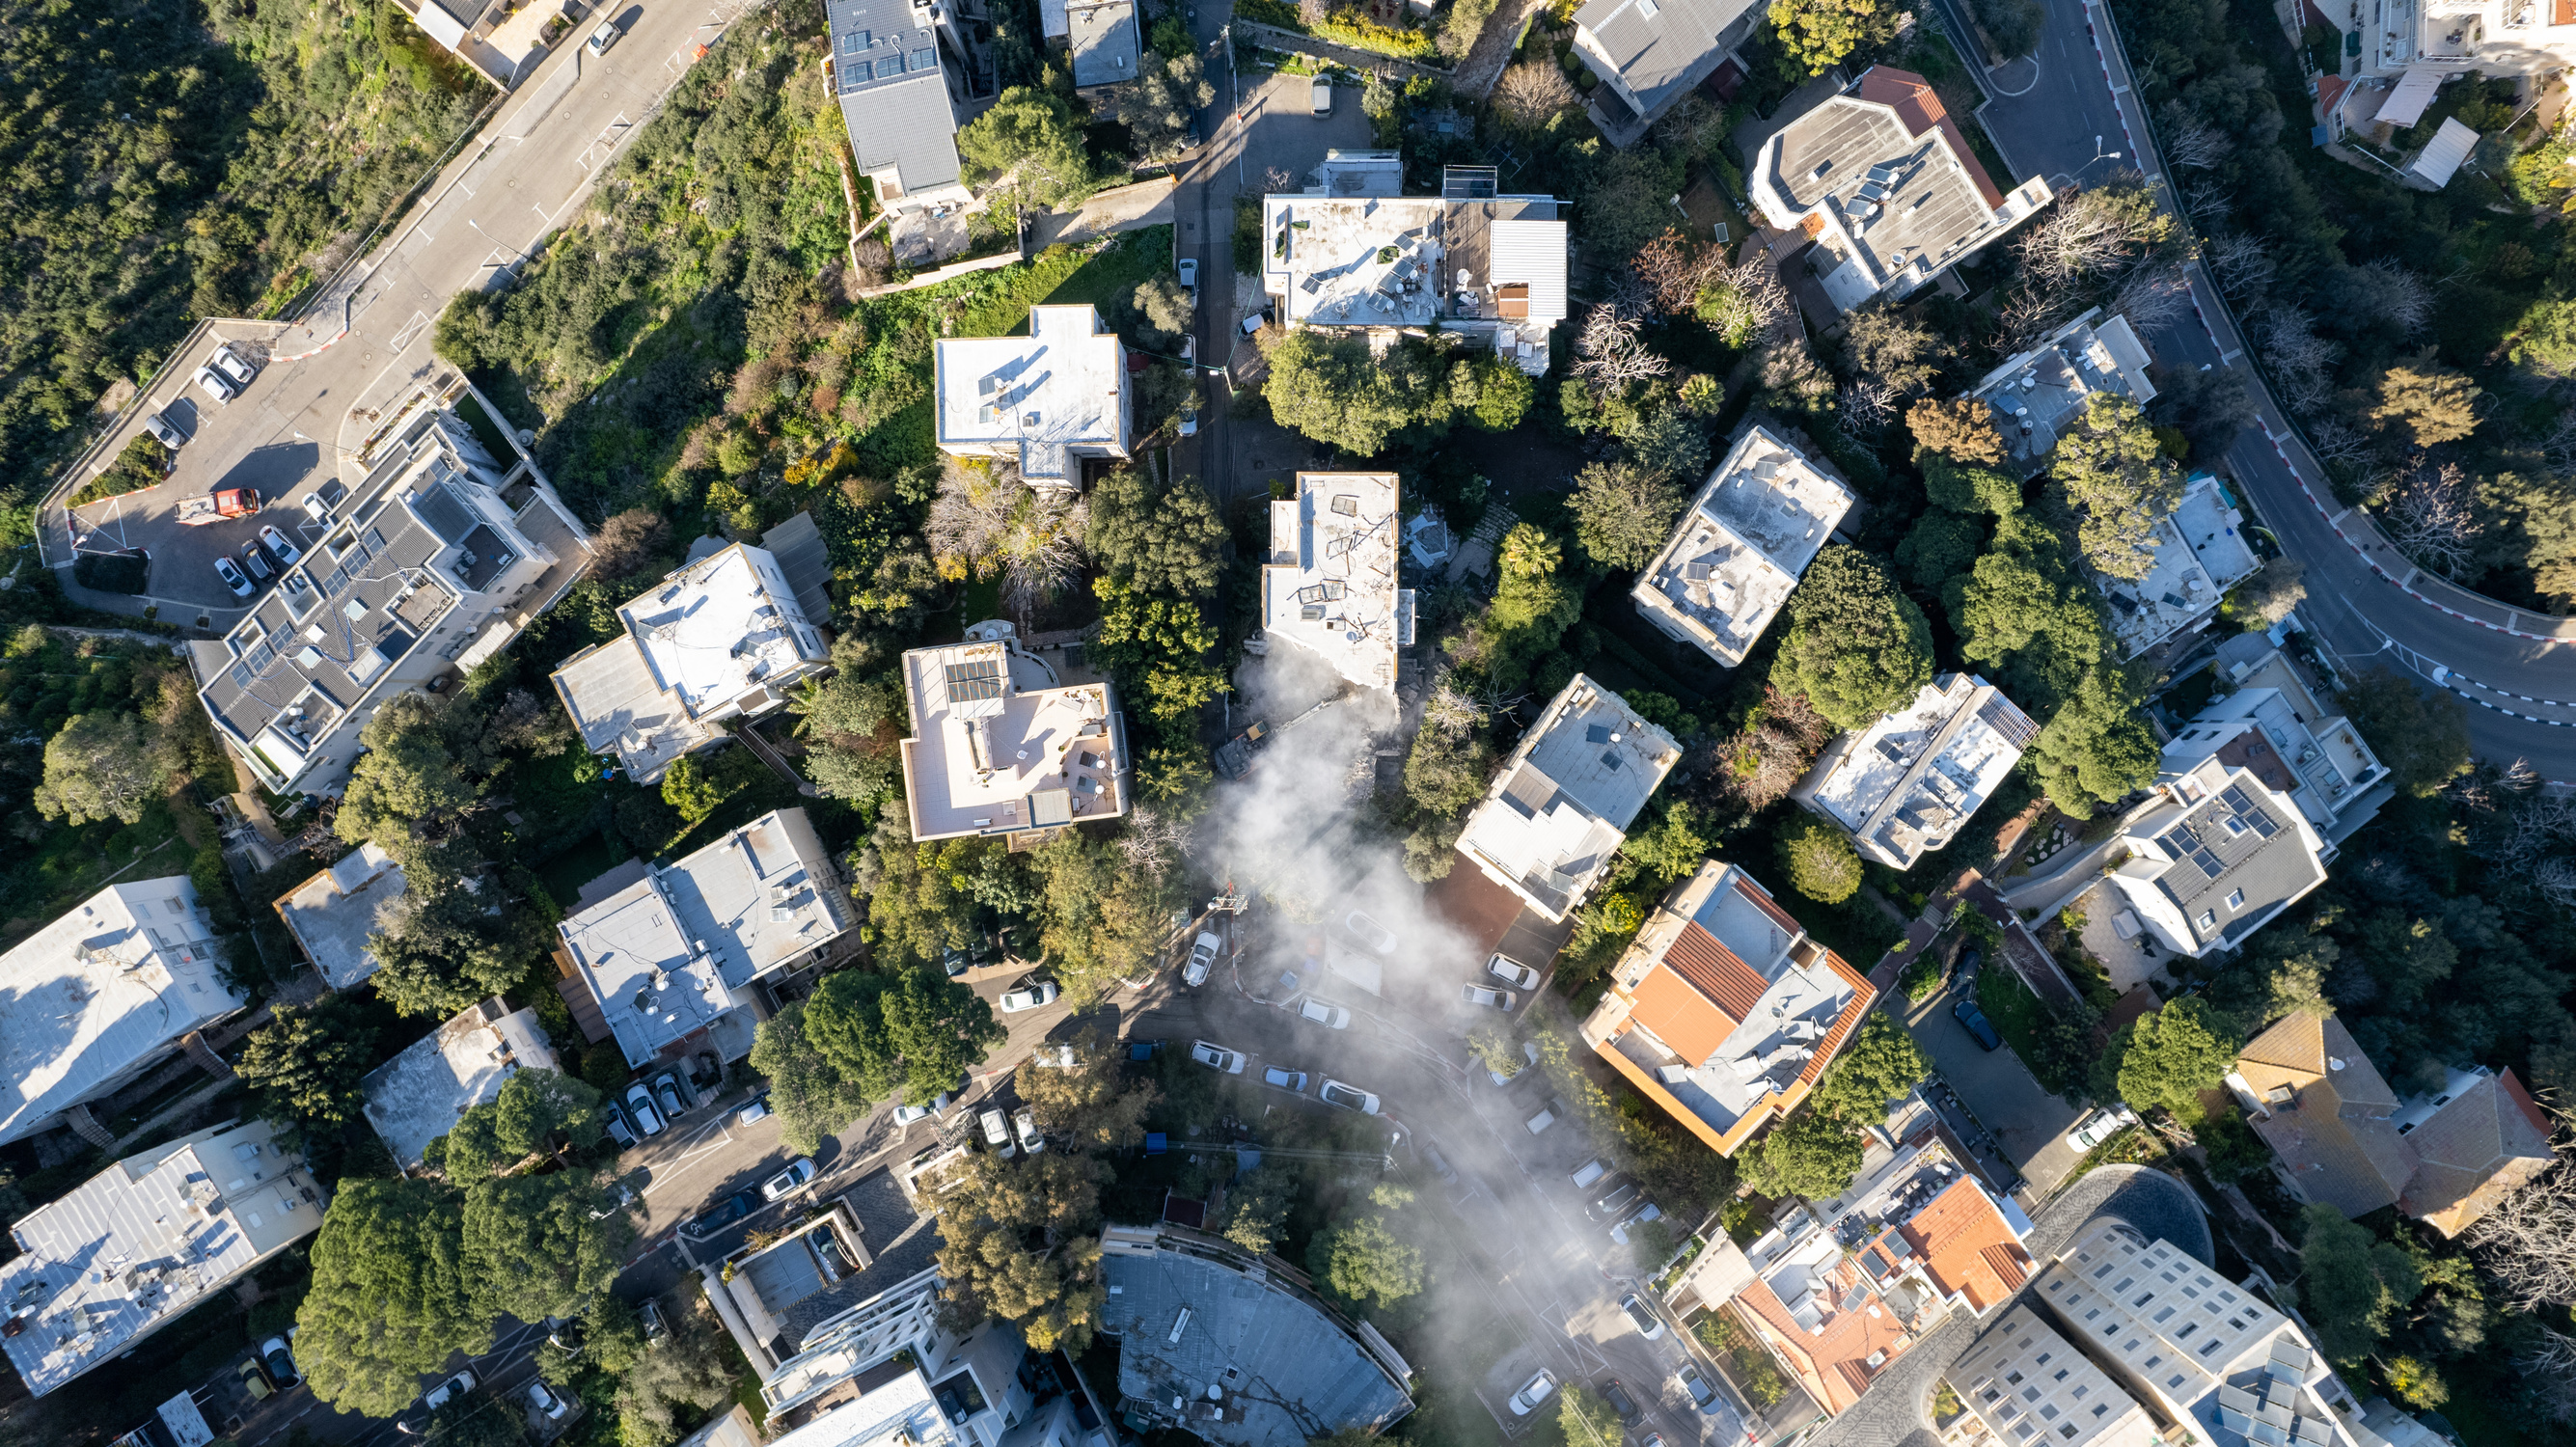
column 1864, row 994
column 1833, row 1362
column 1680, row 1015
column 1714, row 971
column 1954, row 1235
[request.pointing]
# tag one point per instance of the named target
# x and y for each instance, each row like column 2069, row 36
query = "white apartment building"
column 2269, row 721
column 1001, row 743
column 2034, row 395
column 2200, row 553
column 1905, row 785
column 2023, row 1385
column 1562, row 804
column 103, row 994
column 415, row 1097
column 1741, row 546
column 886, row 1370
column 146, row 1241
column 1042, row 402
column 718, row 639
column 2214, row 860
column 1328, row 585
column 670, row 954
column 422, row 570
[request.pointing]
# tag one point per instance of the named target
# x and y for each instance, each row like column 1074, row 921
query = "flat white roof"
column 1563, row 802
column 1762, row 517
column 146, row 1240
column 334, row 914
column 2198, row 556
column 1329, row 584
column 415, row 1097
column 665, row 953
column 117, row 981
column 898, row 1410
column 1903, row 786
column 2405, row 104
column 999, row 744
column 1042, row 394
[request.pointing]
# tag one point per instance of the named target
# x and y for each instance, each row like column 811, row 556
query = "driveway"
column 2012, row 1115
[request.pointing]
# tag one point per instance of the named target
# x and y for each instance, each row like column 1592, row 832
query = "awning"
column 2405, row 105
column 2451, row 145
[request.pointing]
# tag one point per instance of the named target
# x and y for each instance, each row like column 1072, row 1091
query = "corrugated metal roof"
column 2450, row 146
column 1532, row 252
column 2405, row 105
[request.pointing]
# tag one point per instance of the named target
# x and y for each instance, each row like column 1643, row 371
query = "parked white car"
column 1026, row 1123
column 639, row 1104
column 997, row 1133
column 214, row 385
column 1203, row 955
column 228, row 362
column 1377, row 938
column 906, row 1114
column 2100, row 1125
column 1029, row 997
column 1491, row 999
column 288, row 554
column 780, row 1186
column 1189, row 269
column 1512, row 972
column 1217, row 1057
column 1538, row 1389
column 162, row 432
column 1348, row 1097
column 1326, row 1013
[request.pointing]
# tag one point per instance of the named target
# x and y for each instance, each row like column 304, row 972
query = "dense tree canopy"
column 2422, row 737
column 1027, row 144
column 2166, row 1059
column 1623, row 512
column 2109, row 467
column 1153, row 538
column 1810, row 1154
column 390, row 1296
column 308, row 1062
column 914, row 1033
column 1857, row 646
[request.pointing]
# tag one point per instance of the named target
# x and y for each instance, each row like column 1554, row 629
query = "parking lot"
column 2014, row 1120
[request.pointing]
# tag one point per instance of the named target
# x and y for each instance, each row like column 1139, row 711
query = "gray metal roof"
column 2236, row 857
column 798, row 546
column 1103, row 37
column 1662, row 47
column 1288, row 1372
column 894, row 94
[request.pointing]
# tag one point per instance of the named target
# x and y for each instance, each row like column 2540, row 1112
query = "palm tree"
column 985, row 520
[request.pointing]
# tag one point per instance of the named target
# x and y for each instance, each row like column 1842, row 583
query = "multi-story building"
column 2199, row 554
column 1099, row 37
column 1905, row 785
column 2213, row 860
column 887, row 1370
column 415, row 1097
column 903, row 70
column 1042, row 402
column 101, row 995
column 672, row 955
column 1740, row 547
column 1838, row 1294
column 1563, row 802
column 2023, row 1385
column 1349, row 253
column 1328, row 585
column 1650, row 53
column 1001, row 743
column 1723, row 1011
column 1883, row 184
column 334, row 914
column 146, row 1241
column 2204, row 1356
column 2033, row 395
column 2341, row 1137
column 423, row 569
column 2272, row 723
column 719, row 639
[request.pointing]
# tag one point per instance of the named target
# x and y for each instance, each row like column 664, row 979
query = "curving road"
column 2366, row 603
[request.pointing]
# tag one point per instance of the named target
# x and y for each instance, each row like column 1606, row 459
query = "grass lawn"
column 2009, row 1004
column 1066, row 276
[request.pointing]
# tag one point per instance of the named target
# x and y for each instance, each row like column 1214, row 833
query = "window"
column 2209, row 919
column 2174, row 1381
column 2048, row 1413
column 2043, row 1360
column 2143, row 1298
column 2030, row 1394
column 2080, row 1390
column 2162, row 1315
column 2097, row 1311
column 2066, row 1430
column 2236, row 899
column 2155, row 1362
column 2209, row 1346
column 2058, row 1285
column 2101, row 1410
column 2125, row 1283
column 2012, row 1379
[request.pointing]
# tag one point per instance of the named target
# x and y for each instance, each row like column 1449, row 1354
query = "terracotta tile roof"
column 2488, row 1140
column 1955, row 1234
column 2010, row 1264
column 1714, row 971
column 1920, row 107
column 1864, row 994
column 1832, row 1363
column 1680, row 1015
column 2334, row 1135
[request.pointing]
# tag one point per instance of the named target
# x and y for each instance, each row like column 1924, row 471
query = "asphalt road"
column 363, row 342
column 2366, row 603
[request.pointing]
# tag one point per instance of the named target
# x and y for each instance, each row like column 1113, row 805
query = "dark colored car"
column 1976, row 1023
column 281, row 1361
column 1620, row 1402
column 1615, row 1196
column 1969, row 959
column 715, row 1218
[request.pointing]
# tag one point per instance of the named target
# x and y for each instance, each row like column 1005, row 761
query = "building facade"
column 1002, row 744
column 903, row 71
column 2216, row 857
column 2038, row 394
column 2268, row 720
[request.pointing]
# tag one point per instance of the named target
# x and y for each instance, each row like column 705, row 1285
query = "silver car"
column 1512, row 972
column 231, row 365
column 1348, row 1097
column 639, row 1104
column 162, row 432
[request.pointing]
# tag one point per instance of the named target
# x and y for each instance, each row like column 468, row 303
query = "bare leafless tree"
column 2094, row 232
column 2028, row 314
column 1153, row 841
column 2399, row 295
column 2300, row 358
column 1747, row 303
column 2241, row 265
column 2547, row 1368
column 1451, row 714
column 1758, row 765
column 2335, row 440
column 1609, row 354
column 2528, row 1245
column 1532, row 91
column 2433, row 518
column 1869, row 403
column 1673, row 269
column 2190, row 143
column 2558, row 442
column 2555, row 878
column 2153, row 296
column 2205, row 199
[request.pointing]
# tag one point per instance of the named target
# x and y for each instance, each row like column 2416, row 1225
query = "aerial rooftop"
column 143, row 1242
column 334, row 914
column 667, row 951
column 1723, row 1011
column 1653, row 51
column 1041, row 400
column 2034, row 394
column 2217, row 859
column 897, row 101
column 1488, row 265
column 1884, row 182
column 720, row 638
column 102, row 993
column 1562, row 804
column 1189, row 1322
column 1102, row 35
column 2273, row 724
column 1328, row 585
column 1762, row 517
column 2199, row 556
column 415, row 1097
column 1904, row 786
column 999, row 745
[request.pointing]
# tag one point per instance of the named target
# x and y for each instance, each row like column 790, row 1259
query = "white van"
column 1592, row 1171
column 1322, row 95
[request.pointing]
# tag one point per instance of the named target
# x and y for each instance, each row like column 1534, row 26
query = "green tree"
column 2095, row 749
column 101, row 766
column 2422, row 738
column 389, row 1300
column 1533, row 606
column 813, row 1097
column 1157, row 648
column 1362, row 1260
column 1090, row 1103
column 1103, row 918
column 1810, row 1154
column 1335, row 391
column 1671, row 443
column 1585, row 1418
column 2432, row 403
column 2115, row 475
column 1882, row 1063
column 916, row 1031
column 406, row 784
column 2350, row 1283
column 1941, row 545
column 2174, row 1054
column 1817, row 34
column 1151, row 538
column 1857, row 646
column 1968, row 487
column 691, row 788
column 687, row 1368
column 532, row 1247
column 310, row 1062
column 1491, row 392
column 1819, row 859
column 1663, row 850
column 534, row 1104
column 1027, row 145
column 1257, row 1207
column 1623, row 512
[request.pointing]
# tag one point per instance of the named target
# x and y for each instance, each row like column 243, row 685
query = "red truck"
column 223, row 502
